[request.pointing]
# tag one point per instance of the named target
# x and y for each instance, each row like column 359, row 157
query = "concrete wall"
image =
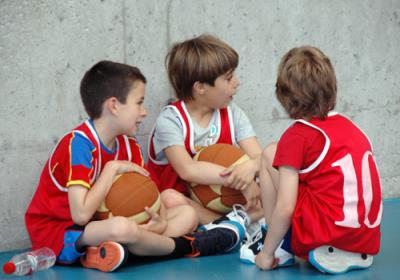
column 45, row 47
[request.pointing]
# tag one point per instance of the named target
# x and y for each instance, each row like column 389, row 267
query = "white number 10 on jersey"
column 350, row 192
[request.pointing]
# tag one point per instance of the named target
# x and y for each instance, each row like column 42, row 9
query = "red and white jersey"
column 339, row 201
column 77, row 159
column 162, row 172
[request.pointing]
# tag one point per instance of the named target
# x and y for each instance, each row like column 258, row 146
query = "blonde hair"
column 201, row 59
column 306, row 84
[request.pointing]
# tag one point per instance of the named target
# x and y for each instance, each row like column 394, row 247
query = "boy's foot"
column 218, row 239
column 253, row 229
column 253, row 246
column 237, row 215
column 328, row 259
column 107, row 257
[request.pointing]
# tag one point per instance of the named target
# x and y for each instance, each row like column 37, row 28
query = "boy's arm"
column 199, row 172
column 202, row 172
column 241, row 176
column 84, row 202
column 281, row 216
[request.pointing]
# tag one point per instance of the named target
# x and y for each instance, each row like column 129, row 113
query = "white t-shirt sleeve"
column 168, row 132
column 243, row 127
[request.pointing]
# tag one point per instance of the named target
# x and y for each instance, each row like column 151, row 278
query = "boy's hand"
column 240, row 176
column 157, row 223
column 252, row 195
column 124, row 166
column 265, row 261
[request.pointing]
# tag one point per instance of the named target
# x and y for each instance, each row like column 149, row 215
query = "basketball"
column 218, row 198
column 129, row 194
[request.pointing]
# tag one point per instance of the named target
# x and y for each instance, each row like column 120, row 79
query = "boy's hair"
column 203, row 59
column 104, row 80
column 306, row 84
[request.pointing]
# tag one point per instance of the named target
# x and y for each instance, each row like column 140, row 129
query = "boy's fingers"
column 226, row 171
column 275, row 263
column 154, row 215
column 142, row 171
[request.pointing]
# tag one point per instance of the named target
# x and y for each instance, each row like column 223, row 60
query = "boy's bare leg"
column 172, row 198
column 181, row 219
column 255, row 213
column 269, row 180
column 205, row 216
column 119, row 229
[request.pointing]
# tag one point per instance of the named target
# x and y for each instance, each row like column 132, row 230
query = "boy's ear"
column 111, row 105
column 198, row 87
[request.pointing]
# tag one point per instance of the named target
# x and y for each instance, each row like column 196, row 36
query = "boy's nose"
column 236, row 82
column 144, row 112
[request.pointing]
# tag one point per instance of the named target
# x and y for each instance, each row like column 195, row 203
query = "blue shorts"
column 287, row 241
column 69, row 254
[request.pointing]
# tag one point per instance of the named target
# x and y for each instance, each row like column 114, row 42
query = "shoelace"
column 256, row 237
column 239, row 210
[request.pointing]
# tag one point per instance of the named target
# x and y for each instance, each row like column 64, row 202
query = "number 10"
column 350, row 192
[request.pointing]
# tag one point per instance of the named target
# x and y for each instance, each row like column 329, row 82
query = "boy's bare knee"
column 123, row 230
column 191, row 216
column 172, row 198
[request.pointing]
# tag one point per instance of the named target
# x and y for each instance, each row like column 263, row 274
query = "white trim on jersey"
column 324, row 151
column 191, row 136
column 218, row 127
column 159, row 162
column 366, row 136
column 128, row 147
column 97, row 166
column 231, row 126
column 58, row 185
column 165, row 161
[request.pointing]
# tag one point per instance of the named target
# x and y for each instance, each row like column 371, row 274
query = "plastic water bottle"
column 31, row 261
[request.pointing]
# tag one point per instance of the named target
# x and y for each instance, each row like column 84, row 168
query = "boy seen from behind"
column 320, row 185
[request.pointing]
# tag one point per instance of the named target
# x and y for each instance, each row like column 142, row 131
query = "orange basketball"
column 129, row 195
column 216, row 197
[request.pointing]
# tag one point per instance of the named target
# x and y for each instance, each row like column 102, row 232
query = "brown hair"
column 104, row 80
column 201, row 59
column 306, row 84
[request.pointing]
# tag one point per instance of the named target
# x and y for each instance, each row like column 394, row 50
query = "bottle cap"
column 9, row 268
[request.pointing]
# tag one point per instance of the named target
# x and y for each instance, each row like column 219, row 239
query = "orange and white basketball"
column 129, row 195
column 218, row 198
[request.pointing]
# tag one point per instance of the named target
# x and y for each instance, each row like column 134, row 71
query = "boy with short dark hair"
column 319, row 183
column 80, row 172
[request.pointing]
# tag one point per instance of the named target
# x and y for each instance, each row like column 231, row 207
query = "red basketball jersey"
column 48, row 215
column 162, row 172
column 339, row 201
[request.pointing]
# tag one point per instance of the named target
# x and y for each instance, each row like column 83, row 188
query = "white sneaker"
column 237, row 215
column 252, row 247
column 328, row 259
column 253, row 229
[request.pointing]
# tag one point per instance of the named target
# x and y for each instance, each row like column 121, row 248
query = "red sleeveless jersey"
column 162, row 172
column 339, row 201
column 48, row 215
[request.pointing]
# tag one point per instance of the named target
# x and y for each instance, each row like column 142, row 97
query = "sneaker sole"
column 312, row 257
column 107, row 257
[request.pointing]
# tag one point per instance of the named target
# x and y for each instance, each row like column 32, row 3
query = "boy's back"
column 344, row 170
